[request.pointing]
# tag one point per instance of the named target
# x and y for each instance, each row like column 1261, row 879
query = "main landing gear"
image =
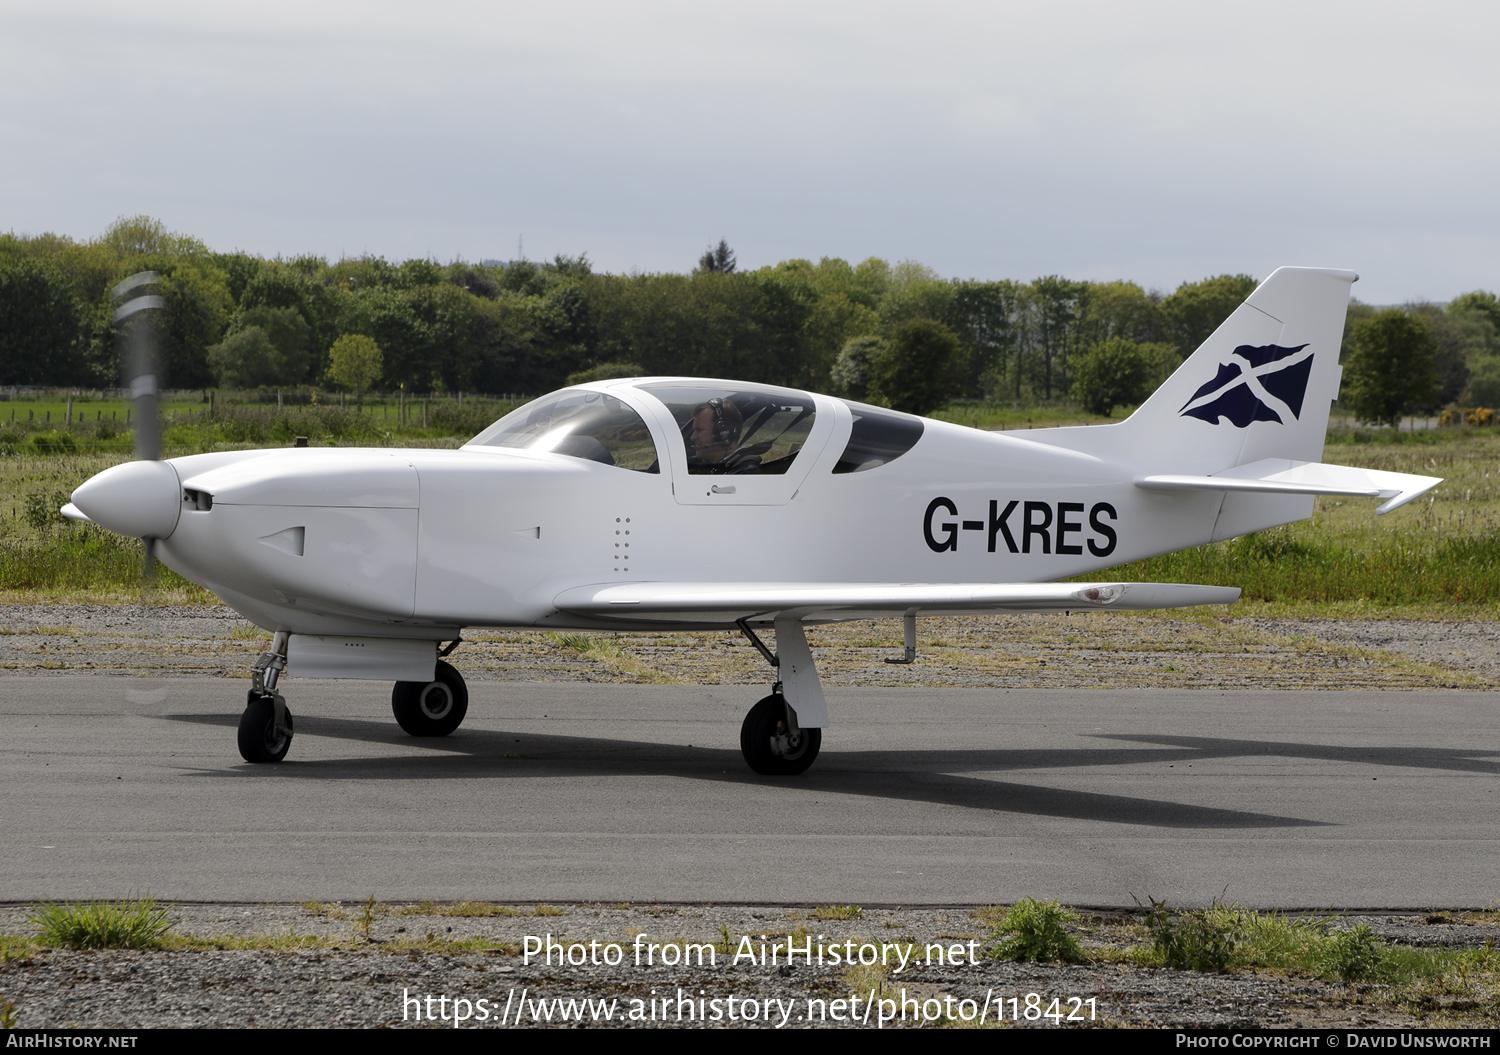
column 433, row 708
column 783, row 732
column 772, row 741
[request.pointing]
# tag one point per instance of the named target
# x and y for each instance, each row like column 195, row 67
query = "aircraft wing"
column 717, row 602
column 1283, row 476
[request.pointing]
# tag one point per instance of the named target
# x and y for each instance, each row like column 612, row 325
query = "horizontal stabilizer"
column 726, row 601
column 1283, row 477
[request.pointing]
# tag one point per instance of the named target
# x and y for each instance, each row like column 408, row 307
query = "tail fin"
column 1262, row 384
column 1259, row 387
column 1246, row 415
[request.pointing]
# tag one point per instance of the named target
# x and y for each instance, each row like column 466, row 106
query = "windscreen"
column 580, row 423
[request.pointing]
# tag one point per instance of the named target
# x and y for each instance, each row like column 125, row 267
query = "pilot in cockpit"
column 713, row 446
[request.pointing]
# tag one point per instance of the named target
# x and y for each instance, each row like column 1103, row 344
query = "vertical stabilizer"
column 1259, row 387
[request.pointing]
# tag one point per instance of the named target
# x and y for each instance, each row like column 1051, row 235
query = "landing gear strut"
column 265, row 733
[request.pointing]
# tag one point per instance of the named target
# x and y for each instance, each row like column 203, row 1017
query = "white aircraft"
column 695, row 504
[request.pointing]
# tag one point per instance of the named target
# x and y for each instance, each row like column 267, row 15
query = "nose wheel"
column 772, row 745
column 265, row 736
column 433, row 708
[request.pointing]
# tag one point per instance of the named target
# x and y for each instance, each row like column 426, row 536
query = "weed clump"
column 868, row 978
column 54, row 443
column 1352, row 955
column 837, row 912
column 1201, row 940
column 137, row 924
column 43, row 508
column 726, row 943
column 1034, row 932
column 369, row 912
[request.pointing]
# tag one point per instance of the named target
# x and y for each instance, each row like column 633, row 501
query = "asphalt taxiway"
column 578, row 792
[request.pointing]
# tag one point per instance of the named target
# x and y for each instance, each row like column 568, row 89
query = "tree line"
column 899, row 334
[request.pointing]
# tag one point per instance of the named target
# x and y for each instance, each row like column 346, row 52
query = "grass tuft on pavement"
column 131, row 924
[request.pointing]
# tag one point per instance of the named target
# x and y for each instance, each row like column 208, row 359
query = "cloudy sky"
column 1159, row 142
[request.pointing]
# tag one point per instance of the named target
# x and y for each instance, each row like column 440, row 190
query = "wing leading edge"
column 701, row 602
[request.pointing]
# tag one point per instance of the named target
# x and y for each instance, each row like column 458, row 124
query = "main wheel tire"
column 433, row 708
column 259, row 740
column 765, row 723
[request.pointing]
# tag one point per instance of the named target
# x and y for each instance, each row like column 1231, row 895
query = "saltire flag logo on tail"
column 1261, row 388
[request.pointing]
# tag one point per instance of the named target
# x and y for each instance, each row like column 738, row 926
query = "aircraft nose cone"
column 142, row 499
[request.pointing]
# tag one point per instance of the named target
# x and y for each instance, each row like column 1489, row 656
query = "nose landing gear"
column 265, row 733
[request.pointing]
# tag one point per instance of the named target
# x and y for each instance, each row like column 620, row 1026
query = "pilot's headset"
column 726, row 422
column 725, row 431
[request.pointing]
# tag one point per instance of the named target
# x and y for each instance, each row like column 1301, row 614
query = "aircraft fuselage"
column 423, row 542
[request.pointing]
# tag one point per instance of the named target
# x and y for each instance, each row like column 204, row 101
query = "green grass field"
column 1437, row 556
